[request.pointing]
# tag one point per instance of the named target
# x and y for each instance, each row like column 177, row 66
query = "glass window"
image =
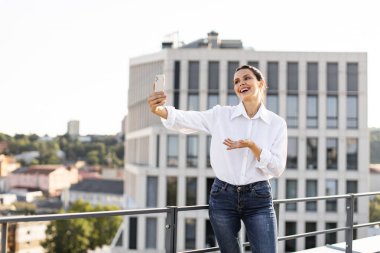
column 352, row 154
column 232, row 99
column 173, row 149
column 292, row 111
column 352, row 112
column 208, row 146
column 191, row 191
column 291, row 192
column 312, row 76
column 213, row 76
column 210, row 236
column 274, row 186
column 272, row 102
column 352, row 77
column 331, row 189
column 272, row 75
column 254, row 64
column 133, row 233
column 151, row 193
column 352, row 187
column 292, row 77
column 332, row 112
column 310, row 241
column 212, row 100
column 330, row 237
column 332, row 76
column 291, row 161
column 190, row 233
column 312, row 111
column 193, row 102
column 290, row 229
column 171, row 191
column 311, row 191
column 332, row 153
column 194, row 76
column 151, row 233
column 312, row 153
column 232, row 66
column 177, row 74
column 209, row 183
column 192, row 151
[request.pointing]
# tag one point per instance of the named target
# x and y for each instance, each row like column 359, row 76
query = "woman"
column 248, row 147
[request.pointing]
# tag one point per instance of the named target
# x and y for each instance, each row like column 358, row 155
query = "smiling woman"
column 254, row 150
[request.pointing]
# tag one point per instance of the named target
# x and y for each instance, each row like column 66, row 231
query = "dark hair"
column 255, row 71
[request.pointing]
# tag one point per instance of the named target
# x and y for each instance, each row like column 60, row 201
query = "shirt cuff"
column 264, row 159
column 169, row 122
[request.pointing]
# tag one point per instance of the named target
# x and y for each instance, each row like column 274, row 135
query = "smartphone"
column 159, row 83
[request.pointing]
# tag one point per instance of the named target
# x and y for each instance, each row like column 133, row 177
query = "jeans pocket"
column 215, row 189
column 262, row 190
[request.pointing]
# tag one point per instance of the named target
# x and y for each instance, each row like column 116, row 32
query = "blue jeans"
column 252, row 203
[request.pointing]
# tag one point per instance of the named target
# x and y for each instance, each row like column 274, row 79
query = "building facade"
column 321, row 95
column 73, row 128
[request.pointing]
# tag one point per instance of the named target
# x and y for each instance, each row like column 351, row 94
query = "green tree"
column 374, row 209
column 79, row 235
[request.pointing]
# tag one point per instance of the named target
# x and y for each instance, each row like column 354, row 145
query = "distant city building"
column 73, row 128
column 374, row 182
column 24, row 237
column 7, row 165
column 50, row 179
column 321, row 95
column 97, row 192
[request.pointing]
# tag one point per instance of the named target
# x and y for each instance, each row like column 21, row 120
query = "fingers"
column 156, row 99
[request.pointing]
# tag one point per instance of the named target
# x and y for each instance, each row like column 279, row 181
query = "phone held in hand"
column 159, row 83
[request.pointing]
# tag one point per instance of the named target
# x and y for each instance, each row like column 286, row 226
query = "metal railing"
column 172, row 214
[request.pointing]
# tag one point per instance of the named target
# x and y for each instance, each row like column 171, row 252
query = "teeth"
column 243, row 90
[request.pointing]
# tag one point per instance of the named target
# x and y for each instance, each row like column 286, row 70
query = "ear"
column 262, row 84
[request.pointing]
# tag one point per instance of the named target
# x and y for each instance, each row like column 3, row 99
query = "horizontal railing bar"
column 366, row 194
column 289, row 237
column 367, row 224
column 200, row 250
column 306, row 199
column 192, row 208
column 66, row 216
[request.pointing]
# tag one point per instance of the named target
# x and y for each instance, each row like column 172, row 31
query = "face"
column 246, row 85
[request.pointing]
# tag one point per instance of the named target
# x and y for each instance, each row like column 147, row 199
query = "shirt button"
column 238, row 189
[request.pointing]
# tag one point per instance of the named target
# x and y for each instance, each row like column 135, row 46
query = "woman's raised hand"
column 156, row 100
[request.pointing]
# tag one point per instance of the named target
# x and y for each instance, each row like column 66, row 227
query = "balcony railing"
column 172, row 214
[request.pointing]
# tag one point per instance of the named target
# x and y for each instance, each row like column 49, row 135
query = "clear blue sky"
column 64, row 60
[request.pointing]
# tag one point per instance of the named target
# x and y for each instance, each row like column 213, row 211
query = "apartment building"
column 321, row 95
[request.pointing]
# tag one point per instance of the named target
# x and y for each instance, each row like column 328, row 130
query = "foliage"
column 374, row 209
column 79, row 235
column 24, row 208
column 101, row 150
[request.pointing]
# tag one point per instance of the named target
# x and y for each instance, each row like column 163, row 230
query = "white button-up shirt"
column 237, row 166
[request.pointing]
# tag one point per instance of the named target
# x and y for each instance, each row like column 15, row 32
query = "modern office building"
column 73, row 128
column 321, row 95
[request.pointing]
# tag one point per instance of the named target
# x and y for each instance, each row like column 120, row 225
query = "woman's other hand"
column 243, row 144
column 237, row 144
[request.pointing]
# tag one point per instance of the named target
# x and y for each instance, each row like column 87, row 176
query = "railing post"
column 349, row 222
column 4, row 231
column 277, row 211
column 171, row 230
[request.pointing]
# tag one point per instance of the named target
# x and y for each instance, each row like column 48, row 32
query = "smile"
column 244, row 89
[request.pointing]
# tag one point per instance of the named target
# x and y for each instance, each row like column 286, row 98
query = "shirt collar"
column 261, row 113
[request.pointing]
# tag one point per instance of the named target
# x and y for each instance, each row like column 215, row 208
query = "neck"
column 251, row 107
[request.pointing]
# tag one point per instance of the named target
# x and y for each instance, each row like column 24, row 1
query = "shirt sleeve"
column 188, row 122
column 273, row 161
